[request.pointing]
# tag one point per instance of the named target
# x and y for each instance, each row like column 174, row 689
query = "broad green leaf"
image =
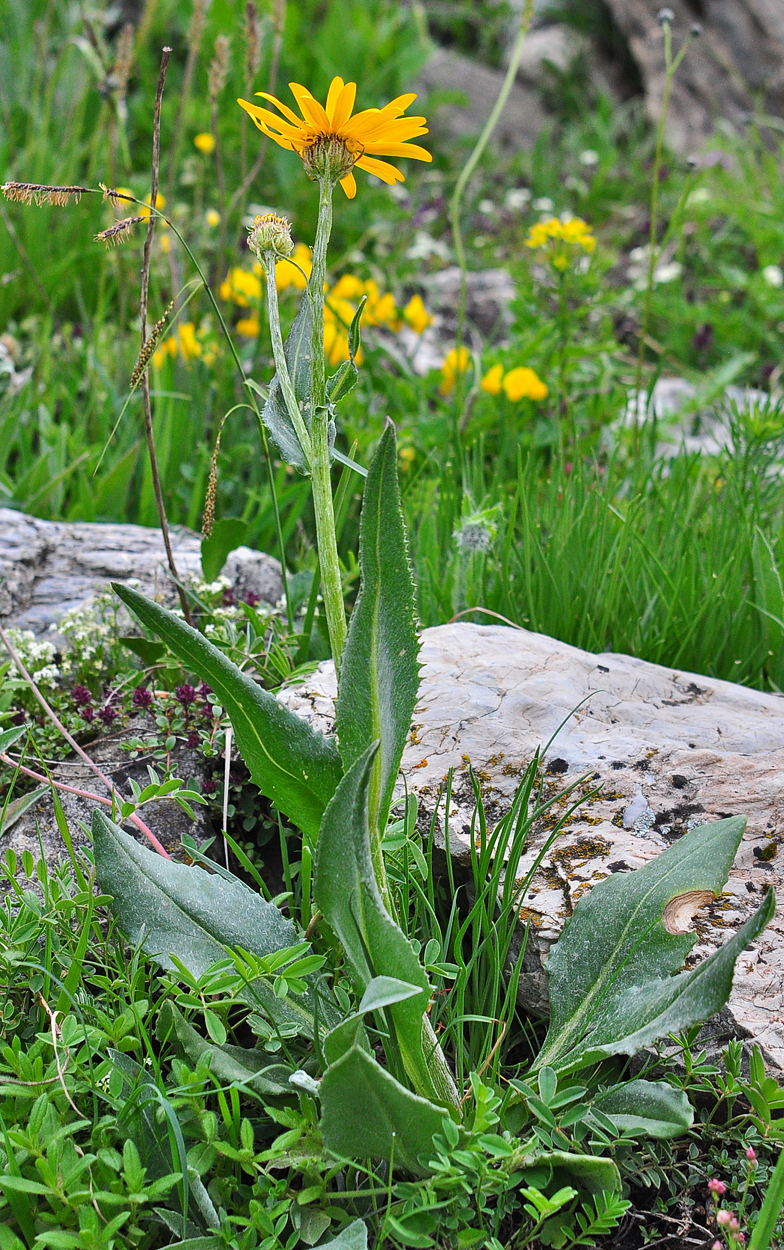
column 615, row 979
column 366, row 1113
column 291, row 763
column 557, row 1168
column 379, row 676
column 174, row 909
column 651, row 1107
column 229, row 1064
column 345, row 890
column 227, row 534
column 275, row 414
column 352, row 1237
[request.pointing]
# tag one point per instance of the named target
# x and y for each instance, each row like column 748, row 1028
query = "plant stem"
column 281, row 365
column 156, row 478
column 331, row 583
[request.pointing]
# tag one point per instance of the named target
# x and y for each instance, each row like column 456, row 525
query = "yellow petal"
column 284, row 108
column 399, row 149
column 491, row 382
column 333, row 95
column 387, row 173
column 349, row 185
column 310, row 108
column 344, row 105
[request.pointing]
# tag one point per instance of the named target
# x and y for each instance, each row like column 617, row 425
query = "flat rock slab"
column 666, row 750
column 49, row 567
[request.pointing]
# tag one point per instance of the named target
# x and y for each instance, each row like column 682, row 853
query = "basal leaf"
column 229, row 1064
column 174, row 909
column 615, row 979
column 345, row 890
column 379, row 676
column 366, row 1113
column 275, row 414
column 651, row 1107
column 291, row 763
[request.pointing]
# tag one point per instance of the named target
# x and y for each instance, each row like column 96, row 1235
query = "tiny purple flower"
column 251, row 598
column 210, row 787
column 81, row 695
column 88, row 714
column 185, row 694
column 229, row 597
column 141, row 697
column 107, row 715
column 204, row 690
column 193, row 739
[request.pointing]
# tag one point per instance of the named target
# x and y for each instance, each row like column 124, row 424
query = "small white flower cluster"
column 89, row 630
column 36, row 654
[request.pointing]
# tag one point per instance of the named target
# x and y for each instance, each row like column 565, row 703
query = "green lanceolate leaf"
column 345, row 890
column 228, row 1064
column 366, row 1113
column 173, row 909
column 292, row 764
column 651, row 1107
column 379, row 676
column 344, row 379
column 275, row 413
column 615, row 979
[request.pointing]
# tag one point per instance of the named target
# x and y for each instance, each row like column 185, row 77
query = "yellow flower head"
column 241, row 288
column 416, row 314
column 287, row 274
column 190, row 347
column 212, row 218
column 167, row 348
column 491, row 382
column 205, row 143
column 249, row 326
column 457, row 361
column 561, row 239
column 344, row 140
column 523, row 383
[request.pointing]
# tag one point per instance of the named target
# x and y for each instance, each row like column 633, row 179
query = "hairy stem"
column 331, row 583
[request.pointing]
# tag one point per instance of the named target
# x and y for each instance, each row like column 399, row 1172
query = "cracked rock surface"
column 49, row 567
column 655, row 751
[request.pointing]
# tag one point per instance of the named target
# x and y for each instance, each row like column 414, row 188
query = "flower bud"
column 696, row 30
column 270, row 233
column 751, row 1154
column 329, row 157
column 665, row 17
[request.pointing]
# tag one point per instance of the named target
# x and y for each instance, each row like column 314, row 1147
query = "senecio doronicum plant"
column 377, row 1072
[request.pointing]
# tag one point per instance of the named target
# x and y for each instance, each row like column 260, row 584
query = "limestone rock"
column 254, row 572
column 734, row 70
column 685, row 421
column 476, row 86
column 48, row 567
column 695, row 749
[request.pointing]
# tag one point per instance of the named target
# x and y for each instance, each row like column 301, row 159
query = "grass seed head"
column 119, row 232
column 39, row 193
